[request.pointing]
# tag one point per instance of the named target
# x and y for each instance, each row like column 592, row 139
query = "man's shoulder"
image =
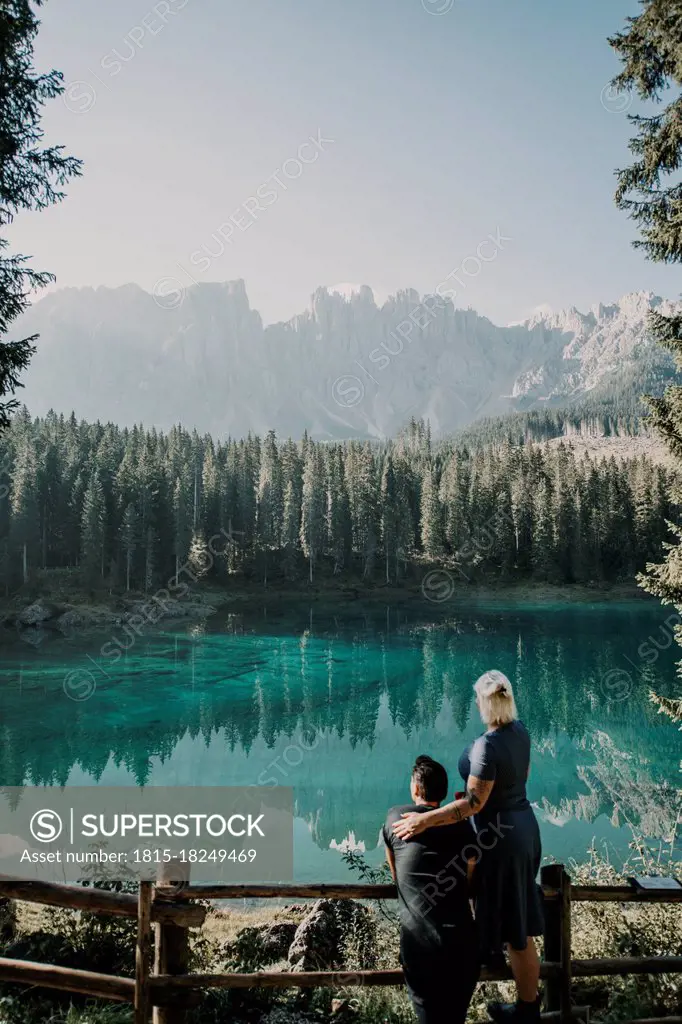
column 393, row 815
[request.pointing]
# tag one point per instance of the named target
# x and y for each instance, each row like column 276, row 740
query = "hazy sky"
column 446, row 127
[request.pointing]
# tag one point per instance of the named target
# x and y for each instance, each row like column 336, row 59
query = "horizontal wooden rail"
column 67, row 979
column 299, row 892
column 623, row 894
column 311, row 979
column 654, row 1020
column 627, row 965
column 100, row 901
column 288, row 891
column 171, row 983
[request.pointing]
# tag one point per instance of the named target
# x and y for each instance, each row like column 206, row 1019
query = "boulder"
column 71, row 620
column 257, row 946
column 34, row 637
column 322, row 936
column 39, row 611
column 276, row 939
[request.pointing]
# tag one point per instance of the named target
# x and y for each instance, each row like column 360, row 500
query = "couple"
column 439, row 863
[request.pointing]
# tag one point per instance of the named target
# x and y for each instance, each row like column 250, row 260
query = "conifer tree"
column 390, row 515
column 431, row 516
column 650, row 190
column 365, row 506
column 93, row 530
column 31, row 176
column 199, row 557
column 182, row 534
column 24, row 527
column 129, row 540
column 270, row 499
column 543, row 531
column 150, row 558
column 290, row 528
column 313, row 507
column 339, row 525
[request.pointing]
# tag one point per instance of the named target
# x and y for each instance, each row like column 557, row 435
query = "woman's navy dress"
column 509, row 904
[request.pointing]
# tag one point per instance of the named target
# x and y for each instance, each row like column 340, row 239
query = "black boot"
column 518, row 1012
column 501, row 1012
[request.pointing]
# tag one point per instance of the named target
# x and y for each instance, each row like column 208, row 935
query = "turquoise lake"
column 337, row 705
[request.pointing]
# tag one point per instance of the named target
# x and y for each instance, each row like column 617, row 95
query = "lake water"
column 337, row 705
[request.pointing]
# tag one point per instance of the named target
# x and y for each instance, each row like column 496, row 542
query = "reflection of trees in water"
column 330, row 681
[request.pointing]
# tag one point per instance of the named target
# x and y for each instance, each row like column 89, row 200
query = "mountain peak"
column 345, row 367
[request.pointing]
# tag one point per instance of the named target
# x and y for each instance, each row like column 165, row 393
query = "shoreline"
column 66, row 613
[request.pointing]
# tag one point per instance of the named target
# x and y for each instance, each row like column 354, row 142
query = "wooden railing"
column 168, row 990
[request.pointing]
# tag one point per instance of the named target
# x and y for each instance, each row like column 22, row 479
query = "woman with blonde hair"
column 508, row 904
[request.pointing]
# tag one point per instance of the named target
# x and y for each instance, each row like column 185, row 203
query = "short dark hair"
column 431, row 778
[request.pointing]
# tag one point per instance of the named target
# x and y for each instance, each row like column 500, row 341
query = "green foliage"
column 368, row 875
column 19, row 1010
column 82, row 941
column 152, row 505
column 31, row 176
column 614, row 930
column 650, row 50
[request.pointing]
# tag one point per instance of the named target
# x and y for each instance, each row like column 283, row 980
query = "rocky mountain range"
column 345, row 367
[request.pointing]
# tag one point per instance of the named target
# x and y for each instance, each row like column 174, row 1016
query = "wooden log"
column 274, row 979
column 565, row 958
column 172, row 947
column 623, row 894
column 551, row 876
column 99, row 901
column 66, row 979
column 299, row 892
column 143, row 952
column 341, row 891
column 654, row 1020
column 165, row 987
column 627, row 965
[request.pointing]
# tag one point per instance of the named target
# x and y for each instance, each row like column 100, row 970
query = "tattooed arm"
column 475, row 798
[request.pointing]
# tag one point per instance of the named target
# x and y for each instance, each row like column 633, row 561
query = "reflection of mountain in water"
column 620, row 785
column 338, row 709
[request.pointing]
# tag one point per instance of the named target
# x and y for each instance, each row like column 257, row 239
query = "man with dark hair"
column 438, row 942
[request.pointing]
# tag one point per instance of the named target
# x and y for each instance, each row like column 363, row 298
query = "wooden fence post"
column 565, row 979
column 558, row 940
column 143, row 952
column 550, row 876
column 172, row 943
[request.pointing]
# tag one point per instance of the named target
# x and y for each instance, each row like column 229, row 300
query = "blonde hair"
column 495, row 698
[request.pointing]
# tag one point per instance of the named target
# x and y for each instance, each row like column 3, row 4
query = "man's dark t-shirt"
column 431, row 873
